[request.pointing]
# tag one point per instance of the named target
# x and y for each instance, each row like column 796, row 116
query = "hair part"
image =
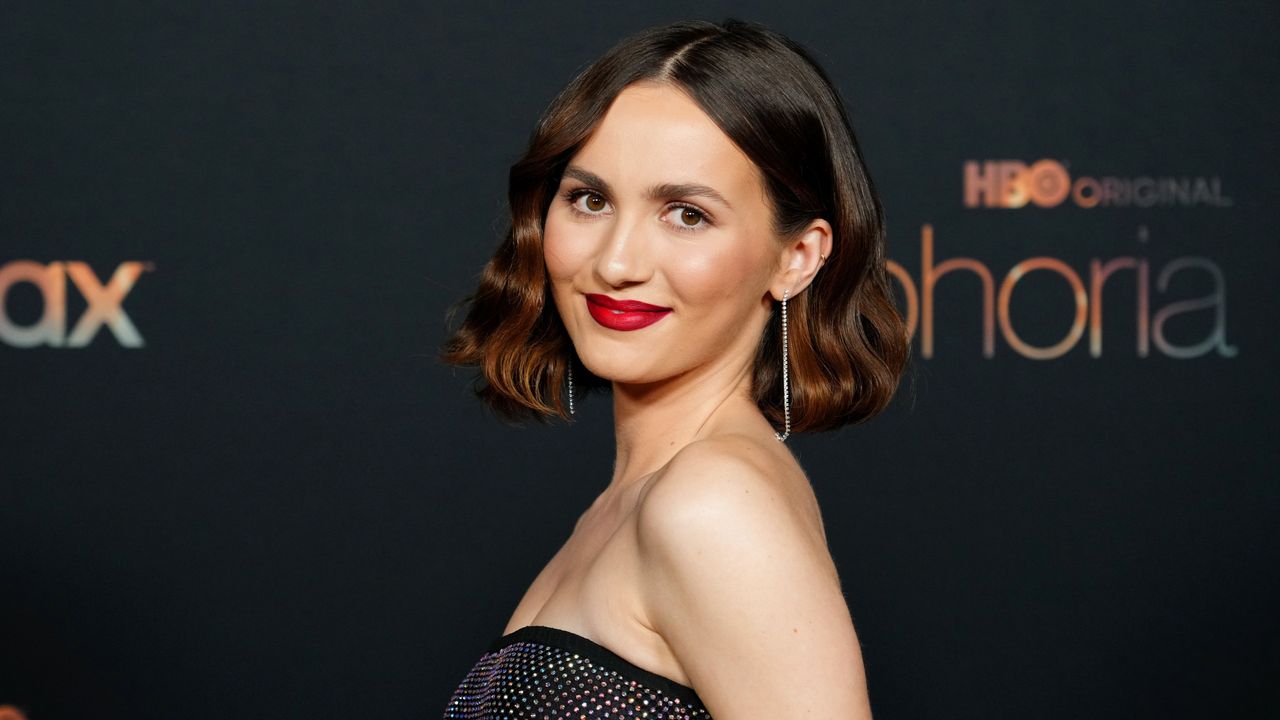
column 848, row 343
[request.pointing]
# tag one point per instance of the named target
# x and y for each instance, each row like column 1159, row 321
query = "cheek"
column 709, row 277
column 563, row 255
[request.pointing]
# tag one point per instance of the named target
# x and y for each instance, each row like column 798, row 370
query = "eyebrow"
column 661, row 191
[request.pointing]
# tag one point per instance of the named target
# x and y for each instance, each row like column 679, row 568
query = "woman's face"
column 660, row 207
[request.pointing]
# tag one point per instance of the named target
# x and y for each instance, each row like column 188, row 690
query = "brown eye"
column 596, row 202
column 691, row 219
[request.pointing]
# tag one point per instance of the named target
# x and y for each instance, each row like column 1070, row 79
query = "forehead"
column 656, row 133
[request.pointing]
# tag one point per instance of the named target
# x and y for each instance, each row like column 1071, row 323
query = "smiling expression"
column 658, row 242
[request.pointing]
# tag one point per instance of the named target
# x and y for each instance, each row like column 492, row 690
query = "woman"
column 693, row 228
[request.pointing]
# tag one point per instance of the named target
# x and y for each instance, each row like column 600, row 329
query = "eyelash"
column 571, row 197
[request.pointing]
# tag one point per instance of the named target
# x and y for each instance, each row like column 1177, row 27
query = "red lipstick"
column 624, row 314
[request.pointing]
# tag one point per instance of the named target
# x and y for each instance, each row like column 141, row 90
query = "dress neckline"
column 594, row 651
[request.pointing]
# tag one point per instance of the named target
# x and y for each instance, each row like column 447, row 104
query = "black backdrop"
column 245, row 486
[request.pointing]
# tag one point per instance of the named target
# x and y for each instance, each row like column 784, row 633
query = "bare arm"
column 745, row 594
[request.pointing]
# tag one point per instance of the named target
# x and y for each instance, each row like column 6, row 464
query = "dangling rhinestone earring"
column 571, row 386
column 786, row 379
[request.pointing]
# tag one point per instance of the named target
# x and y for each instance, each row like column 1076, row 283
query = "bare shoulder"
column 731, row 478
column 738, row 581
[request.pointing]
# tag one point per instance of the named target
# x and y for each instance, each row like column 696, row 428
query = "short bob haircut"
column 848, row 343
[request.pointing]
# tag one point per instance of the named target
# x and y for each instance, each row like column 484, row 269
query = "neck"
column 653, row 422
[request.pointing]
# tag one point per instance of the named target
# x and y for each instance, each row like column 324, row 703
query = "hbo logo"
column 1011, row 184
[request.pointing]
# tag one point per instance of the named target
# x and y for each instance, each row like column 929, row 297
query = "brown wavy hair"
column 849, row 344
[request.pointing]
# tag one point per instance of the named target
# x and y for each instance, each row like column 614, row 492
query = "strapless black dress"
column 545, row 673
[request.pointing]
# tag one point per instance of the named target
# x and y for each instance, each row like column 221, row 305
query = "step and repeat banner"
column 235, row 479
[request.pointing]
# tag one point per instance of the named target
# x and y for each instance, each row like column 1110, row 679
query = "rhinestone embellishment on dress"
column 542, row 672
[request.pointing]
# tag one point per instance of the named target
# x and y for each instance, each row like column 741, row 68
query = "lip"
column 623, row 314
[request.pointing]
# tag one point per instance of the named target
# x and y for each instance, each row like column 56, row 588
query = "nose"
column 624, row 258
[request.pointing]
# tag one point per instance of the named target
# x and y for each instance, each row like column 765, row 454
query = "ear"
column 801, row 259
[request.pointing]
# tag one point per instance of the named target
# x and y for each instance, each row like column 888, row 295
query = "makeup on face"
column 623, row 315
column 619, row 245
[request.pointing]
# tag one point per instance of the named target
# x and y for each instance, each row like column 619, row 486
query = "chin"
column 616, row 372
column 620, row 367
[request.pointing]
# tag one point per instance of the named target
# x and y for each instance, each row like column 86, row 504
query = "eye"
column 594, row 205
column 689, row 218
